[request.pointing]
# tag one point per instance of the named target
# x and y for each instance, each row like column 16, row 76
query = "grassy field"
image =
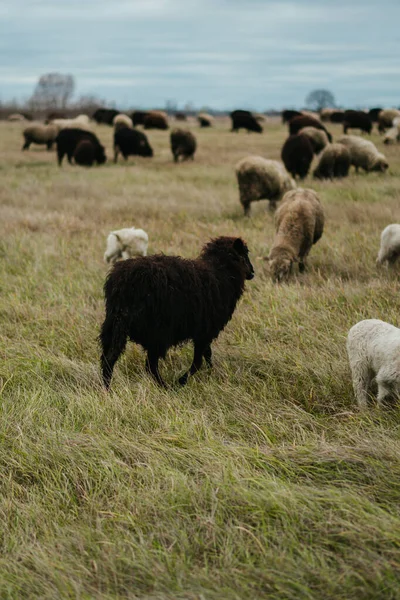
column 260, row 479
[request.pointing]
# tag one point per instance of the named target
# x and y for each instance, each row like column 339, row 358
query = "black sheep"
column 298, row 123
column 131, row 142
column 297, row 155
column 68, row 139
column 357, row 119
column 161, row 301
column 244, row 119
column 138, row 117
column 105, row 115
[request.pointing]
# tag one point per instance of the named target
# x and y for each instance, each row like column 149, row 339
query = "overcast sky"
column 254, row 54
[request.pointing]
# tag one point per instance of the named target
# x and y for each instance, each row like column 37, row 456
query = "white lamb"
column 373, row 347
column 125, row 243
column 389, row 251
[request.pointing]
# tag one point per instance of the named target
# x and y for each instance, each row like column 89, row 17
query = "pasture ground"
column 260, row 479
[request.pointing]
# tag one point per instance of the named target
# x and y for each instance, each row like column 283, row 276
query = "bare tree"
column 53, row 90
column 319, row 99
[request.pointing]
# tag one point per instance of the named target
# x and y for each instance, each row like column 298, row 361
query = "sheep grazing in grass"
column 183, row 144
column 138, row 117
column 104, row 115
column 15, row 117
column 389, row 251
column 299, row 224
column 262, row 179
column 297, row 155
column 205, row 120
column 334, row 161
column 156, row 120
column 79, row 122
column 302, row 121
column 120, row 121
column 373, row 348
column 40, row 134
column 357, row 119
column 364, row 154
column 325, row 114
column 68, row 140
column 318, row 138
column 374, row 114
column 244, row 119
column 131, row 142
column 125, row 243
column 161, row 301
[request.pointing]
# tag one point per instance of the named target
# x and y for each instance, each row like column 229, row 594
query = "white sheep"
column 364, row 154
column 262, row 179
column 393, row 135
column 120, row 121
column 79, row 122
column 125, row 243
column 390, row 245
column 373, row 348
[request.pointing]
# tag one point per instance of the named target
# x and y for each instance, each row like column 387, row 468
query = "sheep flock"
column 162, row 301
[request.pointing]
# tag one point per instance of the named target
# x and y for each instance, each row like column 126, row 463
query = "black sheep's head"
column 241, row 249
column 145, row 148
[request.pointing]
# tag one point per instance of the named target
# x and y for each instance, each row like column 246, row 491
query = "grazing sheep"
column 364, row 154
column 333, row 162
column 373, row 348
column 180, row 116
column 299, row 224
column 55, row 115
column 297, row 155
column 389, row 251
column 68, row 139
column 318, row 138
column 386, row 118
column 262, row 179
column 40, row 134
column 120, row 121
column 325, row 114
column 156, row 120
column 183, row 143
column 298, row 123
column 205, row 120
column 125, row 243
column 357, row 119
column 288, row 115
column 85, row 153
column 104, row 115
column 161, row 301
column 244, row 119
column 131, row 142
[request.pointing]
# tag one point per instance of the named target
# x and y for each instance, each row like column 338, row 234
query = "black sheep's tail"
column 113, row 340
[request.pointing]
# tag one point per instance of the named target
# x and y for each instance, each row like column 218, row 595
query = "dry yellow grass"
column 260, row 479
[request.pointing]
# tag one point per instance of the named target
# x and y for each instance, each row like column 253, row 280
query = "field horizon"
column 260, row 478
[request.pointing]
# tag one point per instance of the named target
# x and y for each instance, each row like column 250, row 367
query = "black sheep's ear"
column 238, row 246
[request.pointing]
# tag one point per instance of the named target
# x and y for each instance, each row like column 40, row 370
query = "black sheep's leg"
column 152, row 367
column 208, row 355
column 69, row 156
column 196, row 364
column 113, row 342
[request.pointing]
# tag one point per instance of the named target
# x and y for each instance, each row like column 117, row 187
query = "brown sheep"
column 299, row 224
column 183, row 144
column 298, row 123
column 156, row 120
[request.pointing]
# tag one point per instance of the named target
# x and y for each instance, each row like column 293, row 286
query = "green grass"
column 260, row 479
